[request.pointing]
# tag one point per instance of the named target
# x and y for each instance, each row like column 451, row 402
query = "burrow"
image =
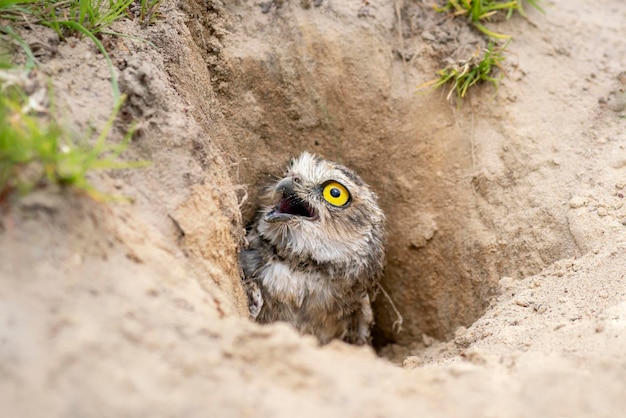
column 344, row 87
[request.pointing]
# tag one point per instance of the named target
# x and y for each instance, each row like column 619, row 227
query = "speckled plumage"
column 311, row 263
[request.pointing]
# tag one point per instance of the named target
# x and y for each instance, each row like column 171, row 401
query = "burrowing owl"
column 316, row 252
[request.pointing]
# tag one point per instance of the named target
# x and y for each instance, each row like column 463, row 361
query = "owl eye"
column 335, row 194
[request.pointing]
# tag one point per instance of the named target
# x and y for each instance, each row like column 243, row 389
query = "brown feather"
column 313, row 264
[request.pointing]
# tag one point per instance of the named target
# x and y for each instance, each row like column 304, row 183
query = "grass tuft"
column 478, row 68
column 88, row 18
column 147, row 11
column 35, row 149
column 478, row 11
column 484, row 63
column 94, row 16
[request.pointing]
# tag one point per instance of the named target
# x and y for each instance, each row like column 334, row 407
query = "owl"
column 316, row 251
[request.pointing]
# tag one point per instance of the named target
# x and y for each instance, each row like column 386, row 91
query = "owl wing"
column 251, row 260
column 255, row 298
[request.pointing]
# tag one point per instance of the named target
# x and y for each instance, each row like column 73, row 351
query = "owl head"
column 323, row 211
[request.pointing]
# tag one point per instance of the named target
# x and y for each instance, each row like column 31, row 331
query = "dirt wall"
column 135, row 309
column 325, row 80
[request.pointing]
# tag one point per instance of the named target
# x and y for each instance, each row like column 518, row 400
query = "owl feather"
column 316, row 251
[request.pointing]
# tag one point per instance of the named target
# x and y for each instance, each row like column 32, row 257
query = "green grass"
column 148, row 12
column 478, row 11
column 94, row 16
column 34, row 148
column 480, row 67
column 89, row 18
column 483, row 65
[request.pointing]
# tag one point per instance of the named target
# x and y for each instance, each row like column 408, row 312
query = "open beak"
column 289, row 205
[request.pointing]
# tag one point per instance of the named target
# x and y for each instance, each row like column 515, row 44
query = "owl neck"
column 335, row 260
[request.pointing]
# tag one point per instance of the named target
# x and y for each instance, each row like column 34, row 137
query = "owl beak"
column 284, row 187
column 289, row 205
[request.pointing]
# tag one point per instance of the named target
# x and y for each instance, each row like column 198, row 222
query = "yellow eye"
column 335, row 194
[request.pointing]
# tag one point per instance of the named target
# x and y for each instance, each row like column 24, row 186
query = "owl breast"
column 316, row 252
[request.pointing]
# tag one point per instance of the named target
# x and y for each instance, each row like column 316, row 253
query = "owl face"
column 322, row 210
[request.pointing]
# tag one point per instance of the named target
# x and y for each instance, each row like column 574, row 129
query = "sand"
column 506, row 217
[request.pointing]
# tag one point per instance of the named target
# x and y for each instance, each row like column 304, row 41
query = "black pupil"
column 335, row 192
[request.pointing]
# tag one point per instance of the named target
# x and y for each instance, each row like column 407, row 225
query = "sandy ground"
column 506, row 215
